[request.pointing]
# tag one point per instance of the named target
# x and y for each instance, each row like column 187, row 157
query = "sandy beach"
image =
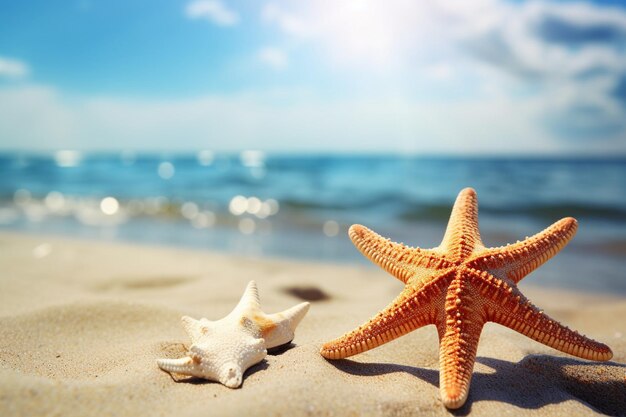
column 82, row 323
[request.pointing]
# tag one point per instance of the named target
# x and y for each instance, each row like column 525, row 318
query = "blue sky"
column 485, row 76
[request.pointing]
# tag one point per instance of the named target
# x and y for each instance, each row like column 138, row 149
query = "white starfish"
column 222, row 350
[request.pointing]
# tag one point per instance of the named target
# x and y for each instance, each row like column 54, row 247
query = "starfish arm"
column 255, row 353
column 249, row 300
column 279, row 328
column 507, row 306
column 457, row 355
column 459, row 329
column 192, row 326
column 184, row 366
column 399, row 260
column 409, row 311
column 517, row 260
column 528, row 320
column 462, row 235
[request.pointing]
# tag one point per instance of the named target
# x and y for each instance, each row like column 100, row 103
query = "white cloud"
column 288, row 22
column 439, row 72
column 549, row 40
column 352, row 32
column 36, row 118
column 13, row 68
column 212, row 10
column 531, row 83
column 569, row 55
column 404, row 32
column 382, row 35
column 573, row 55
column 273, row 57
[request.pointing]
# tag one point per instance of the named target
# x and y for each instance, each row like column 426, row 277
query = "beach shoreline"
column 82, row 323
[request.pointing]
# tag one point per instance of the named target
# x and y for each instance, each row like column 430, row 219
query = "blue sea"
column 300, row 206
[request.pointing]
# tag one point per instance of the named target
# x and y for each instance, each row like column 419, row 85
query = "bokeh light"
column 109, row 205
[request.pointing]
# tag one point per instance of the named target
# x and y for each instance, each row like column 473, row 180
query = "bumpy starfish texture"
column 459, row 286
column 222, row 350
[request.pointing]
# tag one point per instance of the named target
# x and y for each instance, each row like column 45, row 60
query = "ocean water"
column 300, row 206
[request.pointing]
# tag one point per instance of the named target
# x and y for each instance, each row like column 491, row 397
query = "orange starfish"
column 458, row 287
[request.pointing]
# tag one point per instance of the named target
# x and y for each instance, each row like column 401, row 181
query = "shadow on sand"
column 532, row 383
